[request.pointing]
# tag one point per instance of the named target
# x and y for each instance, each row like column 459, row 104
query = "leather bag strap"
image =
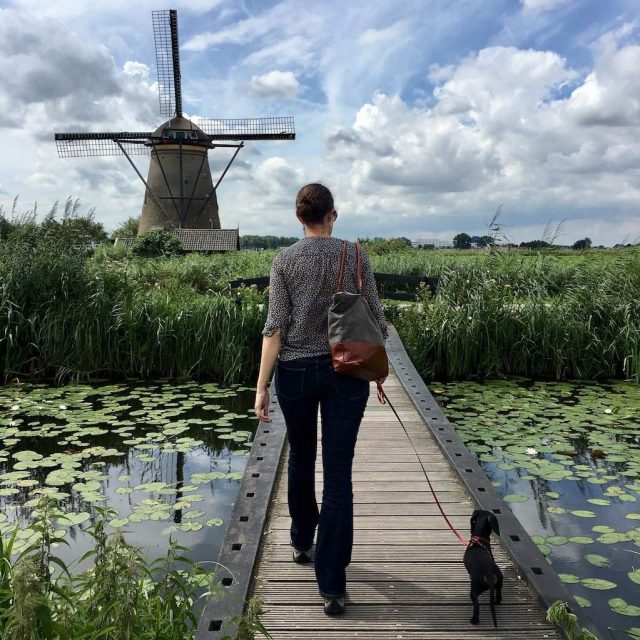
column 343, row 260
column 358, row 267
column 342, row 265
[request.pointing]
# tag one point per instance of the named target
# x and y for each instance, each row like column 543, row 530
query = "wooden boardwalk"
column 406, row 579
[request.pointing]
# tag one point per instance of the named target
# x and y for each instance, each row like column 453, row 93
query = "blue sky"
column 423, row 116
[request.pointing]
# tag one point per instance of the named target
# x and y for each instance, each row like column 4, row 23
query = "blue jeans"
column 302, row 385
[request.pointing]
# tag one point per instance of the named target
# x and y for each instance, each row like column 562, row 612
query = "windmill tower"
column 179, row 190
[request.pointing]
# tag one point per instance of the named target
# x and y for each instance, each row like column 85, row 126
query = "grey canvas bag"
column 355, row 338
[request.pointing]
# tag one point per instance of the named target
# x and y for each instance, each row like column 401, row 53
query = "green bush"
column 383, row 246
column 122, row 596
column 156, row 243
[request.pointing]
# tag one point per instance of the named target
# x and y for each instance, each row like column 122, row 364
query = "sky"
column 424, row 117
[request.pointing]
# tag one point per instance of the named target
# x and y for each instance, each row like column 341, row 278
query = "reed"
column 68, row 314
column 492, row 318
column 123, row 595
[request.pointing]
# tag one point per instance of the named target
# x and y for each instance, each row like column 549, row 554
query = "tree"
column 266, row 242
column 485, row 241
column 534, row 244
column 462, row 241
column 126, row 229
column 155, row 243
column 585, row 243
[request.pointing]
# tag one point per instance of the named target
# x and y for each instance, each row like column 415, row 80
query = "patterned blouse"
column 302, row 284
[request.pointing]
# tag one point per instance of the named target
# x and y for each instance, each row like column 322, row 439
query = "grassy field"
column 69, row 314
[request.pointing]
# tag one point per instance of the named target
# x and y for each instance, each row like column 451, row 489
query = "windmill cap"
column 181, row 124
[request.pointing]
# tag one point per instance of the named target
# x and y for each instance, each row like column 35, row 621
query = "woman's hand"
column 262, row 405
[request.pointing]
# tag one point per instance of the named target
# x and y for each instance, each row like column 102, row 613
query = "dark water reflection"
column 551, row 449
column 159, row 433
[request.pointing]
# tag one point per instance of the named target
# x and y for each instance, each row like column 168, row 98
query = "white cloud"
column 281, row 84
column 381, row 37
column 542, row 5
column 500, row 131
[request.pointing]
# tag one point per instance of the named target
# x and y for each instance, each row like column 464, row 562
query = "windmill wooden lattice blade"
column 82, row 145
column 165, row 35
column 279, row 128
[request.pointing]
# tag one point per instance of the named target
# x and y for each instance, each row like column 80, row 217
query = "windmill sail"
column 83, row 145
column 165, row 34
column 279, row 128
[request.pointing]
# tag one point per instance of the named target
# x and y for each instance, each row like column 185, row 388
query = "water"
column 103, row 446
column 566, row 456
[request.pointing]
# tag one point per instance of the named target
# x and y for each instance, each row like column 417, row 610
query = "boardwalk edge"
column 531, row 563
column 242, row 541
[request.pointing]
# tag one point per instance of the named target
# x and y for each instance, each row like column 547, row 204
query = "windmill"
column 179, row 190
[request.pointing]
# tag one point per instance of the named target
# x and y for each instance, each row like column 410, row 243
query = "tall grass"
column 69, row 314
column 122, row 596
column 498, row 317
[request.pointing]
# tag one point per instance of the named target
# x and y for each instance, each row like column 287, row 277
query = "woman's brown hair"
column 313, row 202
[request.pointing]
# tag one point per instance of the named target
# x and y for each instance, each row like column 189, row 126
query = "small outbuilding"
column 200, row 240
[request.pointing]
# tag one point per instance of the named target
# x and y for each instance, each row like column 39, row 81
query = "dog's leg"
column 475, row 618
column 492, row 581
column 499, row 585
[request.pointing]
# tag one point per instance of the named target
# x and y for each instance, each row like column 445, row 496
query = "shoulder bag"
column 357, row 344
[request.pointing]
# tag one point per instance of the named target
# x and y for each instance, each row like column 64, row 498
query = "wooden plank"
column 422, row 553
column 442, row 571
column 395, row 496
column 427, row 524
column 392, row 592
column 460, row 510
column 397, row 476
column 473, row 633
column 396, row 618
column 374, row 531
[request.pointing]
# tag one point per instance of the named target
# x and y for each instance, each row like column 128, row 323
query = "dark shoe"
column 302, row 557
column 333, row 606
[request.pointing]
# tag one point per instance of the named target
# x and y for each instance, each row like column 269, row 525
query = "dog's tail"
column 491, row 583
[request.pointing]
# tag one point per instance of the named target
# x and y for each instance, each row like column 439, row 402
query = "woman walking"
column 303, row 281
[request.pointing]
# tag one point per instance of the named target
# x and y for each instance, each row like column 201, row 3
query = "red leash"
column 382, row 396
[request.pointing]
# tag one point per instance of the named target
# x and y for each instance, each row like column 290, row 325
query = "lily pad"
column 619, row 605
column 613, row 538
column 515, row 497
column 583, row 602
column 597, row 560
column 558, row 511
column 581, row 540
column 599, row 501
column 117, row 523
column 603, row 528
column 74, row 518
column 569, row 578
column 598, row 584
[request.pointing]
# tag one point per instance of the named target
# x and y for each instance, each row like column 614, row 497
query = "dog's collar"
column 482, row 542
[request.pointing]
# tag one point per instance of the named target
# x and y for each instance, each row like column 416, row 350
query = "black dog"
column 480, row 565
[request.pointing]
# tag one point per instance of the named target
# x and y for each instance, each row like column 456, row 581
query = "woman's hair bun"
column 313, row 202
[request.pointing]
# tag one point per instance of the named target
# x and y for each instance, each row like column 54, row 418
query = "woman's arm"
column 270, row 350
column 274, row 332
